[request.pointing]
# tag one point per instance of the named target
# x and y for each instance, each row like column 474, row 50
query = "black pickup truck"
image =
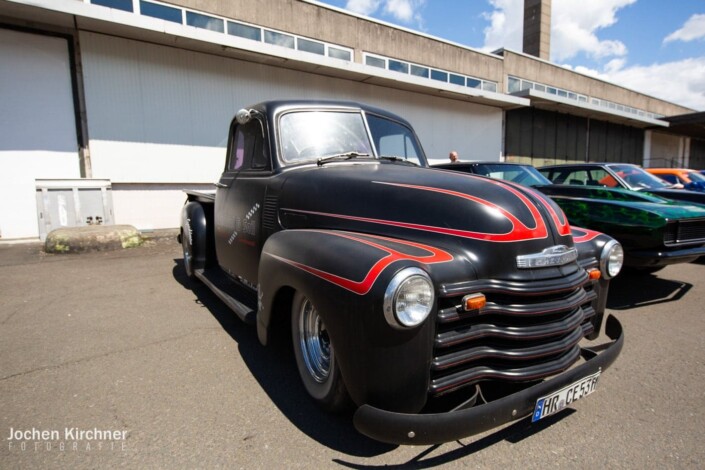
column 439, row 304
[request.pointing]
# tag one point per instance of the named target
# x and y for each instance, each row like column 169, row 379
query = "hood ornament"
column 552, row 256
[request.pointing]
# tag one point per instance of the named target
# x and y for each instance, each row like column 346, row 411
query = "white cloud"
column 574, row 24
column 693, row 29
column 506, row 25
column 406, row 11
column 363, row 7
column 679, row 82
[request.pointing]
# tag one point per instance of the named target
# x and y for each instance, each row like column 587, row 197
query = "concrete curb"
column 92, row 238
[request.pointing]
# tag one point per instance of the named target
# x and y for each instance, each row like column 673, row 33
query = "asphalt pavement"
column 112, row 360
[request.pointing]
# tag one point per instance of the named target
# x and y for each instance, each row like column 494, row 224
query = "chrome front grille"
column 525, row 332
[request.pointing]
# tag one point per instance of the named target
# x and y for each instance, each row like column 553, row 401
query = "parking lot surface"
column 120, row 341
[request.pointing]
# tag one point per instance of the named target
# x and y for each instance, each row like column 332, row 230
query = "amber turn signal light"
column 594, row 274
column 474, row 301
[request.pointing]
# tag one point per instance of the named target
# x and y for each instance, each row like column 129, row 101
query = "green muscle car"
column 653, row 231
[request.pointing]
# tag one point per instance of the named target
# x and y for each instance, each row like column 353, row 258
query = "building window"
column 124, row 5
column 398, row 66
column 539, row 87
column 489, row 86
column 199, row 20
column 473, row 83
column 438, row 75
column 162, row 12
column 376, row 62
column 244, row 31
column 336, row 53
column 310, row 46
column 279, row 39
column 418, row 71
column 457, row 79
column 513, row 85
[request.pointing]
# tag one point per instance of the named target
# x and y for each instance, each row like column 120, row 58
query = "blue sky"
column 656, row 47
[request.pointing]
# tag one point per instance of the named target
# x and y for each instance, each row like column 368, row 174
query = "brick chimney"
column 537, row 28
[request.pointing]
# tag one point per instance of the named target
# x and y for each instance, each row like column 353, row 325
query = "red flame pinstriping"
column 586, row 236
column 363, row 287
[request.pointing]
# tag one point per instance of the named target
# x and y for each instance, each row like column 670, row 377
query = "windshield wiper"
column 341, row 156
column 395, row 158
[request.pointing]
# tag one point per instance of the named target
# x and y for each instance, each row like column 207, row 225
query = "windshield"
column 638, row 178
column 310, row 135
column 526, row 175
column 695, row 176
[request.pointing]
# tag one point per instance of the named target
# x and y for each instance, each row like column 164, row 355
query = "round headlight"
column 612, row 259
column 409, row 298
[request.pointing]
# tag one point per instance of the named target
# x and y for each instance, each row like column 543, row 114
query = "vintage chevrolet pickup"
column 439, row 304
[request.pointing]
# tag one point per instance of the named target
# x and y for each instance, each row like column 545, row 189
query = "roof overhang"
column 548, row 101
column 690, row 125
column 98, row 19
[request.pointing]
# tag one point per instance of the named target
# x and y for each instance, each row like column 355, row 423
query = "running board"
column 218, row 283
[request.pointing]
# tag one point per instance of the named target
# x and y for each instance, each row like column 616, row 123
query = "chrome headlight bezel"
column 402, row 281
column 611, row 248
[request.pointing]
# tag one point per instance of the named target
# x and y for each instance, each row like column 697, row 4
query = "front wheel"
column 315, row 356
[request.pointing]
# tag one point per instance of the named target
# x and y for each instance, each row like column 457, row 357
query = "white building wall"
column 666, row 150
column 37, row 125
column 159, row 114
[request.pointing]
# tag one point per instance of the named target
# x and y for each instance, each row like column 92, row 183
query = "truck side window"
column 249, row 152
column 393, row 139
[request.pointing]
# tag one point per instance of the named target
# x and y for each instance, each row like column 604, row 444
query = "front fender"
column 345, row 275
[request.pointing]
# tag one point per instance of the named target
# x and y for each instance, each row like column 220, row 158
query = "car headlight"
column 611, row 259
column 409, row 298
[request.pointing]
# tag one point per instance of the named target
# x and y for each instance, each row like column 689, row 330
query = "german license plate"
column 555, row 402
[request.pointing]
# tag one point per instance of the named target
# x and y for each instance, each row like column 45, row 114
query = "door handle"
column 220, row 185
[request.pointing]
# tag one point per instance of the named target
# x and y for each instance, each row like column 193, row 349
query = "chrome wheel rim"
column 314, row 342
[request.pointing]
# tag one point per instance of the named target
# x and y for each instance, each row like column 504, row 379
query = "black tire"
column 315, row 357
column 194, row 235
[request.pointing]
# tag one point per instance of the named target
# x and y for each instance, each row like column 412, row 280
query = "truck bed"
column 207, row 197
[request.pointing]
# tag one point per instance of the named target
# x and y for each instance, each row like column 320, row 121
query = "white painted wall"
column 37, row 125
column 159, row 204
column 160, row 115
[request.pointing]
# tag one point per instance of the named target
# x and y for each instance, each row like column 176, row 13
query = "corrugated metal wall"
column 550, row 137
column 697, row 154
column 37, row 125
column 161, row 114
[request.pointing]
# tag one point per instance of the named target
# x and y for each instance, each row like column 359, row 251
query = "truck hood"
column 485, row 221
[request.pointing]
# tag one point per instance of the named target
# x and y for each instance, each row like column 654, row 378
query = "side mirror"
column 243, row 116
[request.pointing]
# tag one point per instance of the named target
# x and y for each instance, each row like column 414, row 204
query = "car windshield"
column 521, row 174
column 311, row 135
column 695, row 176
column 638, row 178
